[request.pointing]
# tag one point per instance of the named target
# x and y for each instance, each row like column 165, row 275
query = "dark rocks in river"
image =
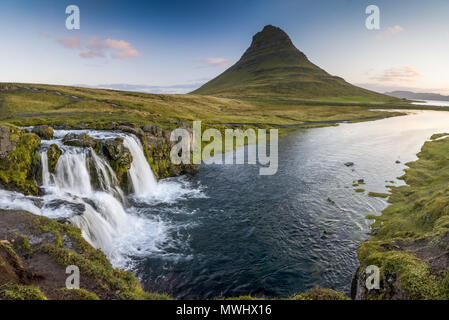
column 53, row 154
column 119, row 158
column 80, row 140
column 349, row 164
column 397, row 161
column 43, row 131
column 157, row 145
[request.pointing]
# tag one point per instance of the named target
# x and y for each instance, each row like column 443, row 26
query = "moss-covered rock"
column 157, row 146
column 53, row 154
column 17, row 157
column 119, row 158
column 52, row 247
column 43, row 131
column 321, row 294
column 80, row 140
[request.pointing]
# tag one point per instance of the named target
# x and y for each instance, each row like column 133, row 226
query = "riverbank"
column 410, row 239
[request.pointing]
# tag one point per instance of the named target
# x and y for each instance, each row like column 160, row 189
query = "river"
column 227, row 231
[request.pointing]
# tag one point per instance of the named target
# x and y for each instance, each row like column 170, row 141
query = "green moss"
column 16, row 169
column 321, row 294
column 438, row 135
column 53, row 154
column 416, row 221
column 359, row 190
column 378, row 194
column 78, row 294
column 21, row 292
column 91, row 261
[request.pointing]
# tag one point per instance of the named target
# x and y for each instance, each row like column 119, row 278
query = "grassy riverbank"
column 410, row 240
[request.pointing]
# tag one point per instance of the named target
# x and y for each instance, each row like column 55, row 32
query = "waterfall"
column 103, row 216
column 45, row 172
column 142, row 179
column 85, row 191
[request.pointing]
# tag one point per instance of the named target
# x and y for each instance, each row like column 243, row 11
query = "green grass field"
column 30, row 104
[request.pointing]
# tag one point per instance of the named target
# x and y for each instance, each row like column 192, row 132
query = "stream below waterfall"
column 227, row 231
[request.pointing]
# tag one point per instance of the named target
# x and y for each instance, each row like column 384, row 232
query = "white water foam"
column 98, row 207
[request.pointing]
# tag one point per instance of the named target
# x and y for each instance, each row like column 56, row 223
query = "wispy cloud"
column 390, row 31
column 70, row 42
column 88, row 54
column 215, row 62
column 401, row 74
column 121, row 49
column 97, row 47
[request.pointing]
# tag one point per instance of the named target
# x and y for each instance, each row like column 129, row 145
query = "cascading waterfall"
column 142, row 178
column 103, row 215
column 85, row 191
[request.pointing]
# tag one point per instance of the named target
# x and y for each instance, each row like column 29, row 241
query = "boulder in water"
column 44, row 132
column 119, row 157
column 80, row 140
column 53, row 154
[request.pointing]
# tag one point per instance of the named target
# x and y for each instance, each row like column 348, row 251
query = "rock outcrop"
column 43, row 131
column 157, row 145
column 35, row 252
column 119, row 158
column 53, row 154
column 80, row 140
column 18, row 159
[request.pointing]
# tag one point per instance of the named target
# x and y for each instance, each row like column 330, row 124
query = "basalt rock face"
column 19, row 159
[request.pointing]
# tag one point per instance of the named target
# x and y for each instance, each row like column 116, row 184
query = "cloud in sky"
column 401, row 74
column 120, row 49
column 70, row 42
column 215, row 62
column 390, row 31
column 395, row 29
column 88, row 54
column 96, row 47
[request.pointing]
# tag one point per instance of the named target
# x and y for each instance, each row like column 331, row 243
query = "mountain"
column 417, row 96
column 273, row 67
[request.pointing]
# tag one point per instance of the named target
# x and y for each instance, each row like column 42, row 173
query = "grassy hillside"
column 273, row 67
column 29, row 104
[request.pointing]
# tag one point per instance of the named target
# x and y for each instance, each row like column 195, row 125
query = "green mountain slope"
column 273, row 67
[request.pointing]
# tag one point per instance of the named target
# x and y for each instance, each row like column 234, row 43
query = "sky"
column 175, row 46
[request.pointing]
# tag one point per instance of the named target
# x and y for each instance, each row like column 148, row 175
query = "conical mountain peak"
column 273, row 67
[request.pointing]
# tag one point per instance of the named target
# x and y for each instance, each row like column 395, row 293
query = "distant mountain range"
column 273, row 67
column 417, row 96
